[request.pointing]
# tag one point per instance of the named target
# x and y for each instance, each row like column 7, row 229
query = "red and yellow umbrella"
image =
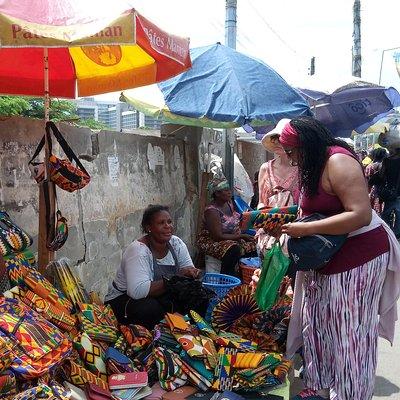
column 70, row 48
column 94, row 47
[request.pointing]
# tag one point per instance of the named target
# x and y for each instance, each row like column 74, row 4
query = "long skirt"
column 340, row 330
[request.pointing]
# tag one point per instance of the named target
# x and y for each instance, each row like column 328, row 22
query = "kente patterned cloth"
column 92, row 355
column 249, row 217
column 270, row 222
column 78, row 375
column 224, row 371
column 6, row 353
column 198, row 365
column 42, row 287
column 203, row 325
column 248, row 360
column 105, row 333
column 52, row 313
column 16, row 292
column 18, row 267
column 99, row 315
column 170, row 373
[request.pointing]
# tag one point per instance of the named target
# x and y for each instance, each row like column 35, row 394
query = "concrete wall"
column 105, row 216
column 252, row 156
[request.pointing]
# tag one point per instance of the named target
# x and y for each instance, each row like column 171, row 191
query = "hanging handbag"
column 61, row 233
column 62, row 172
column 314, row 251
column 12, row 238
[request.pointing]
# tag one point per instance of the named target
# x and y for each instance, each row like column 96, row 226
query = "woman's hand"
column 190, row 272
column 255, row 278
column 246, row 237
column 296, row 229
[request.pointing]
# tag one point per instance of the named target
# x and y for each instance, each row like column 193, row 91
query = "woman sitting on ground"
column 138, row 293
column 221, row 237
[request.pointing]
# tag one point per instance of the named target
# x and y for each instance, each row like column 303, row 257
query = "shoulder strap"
column 52, row 128
column 174, row 256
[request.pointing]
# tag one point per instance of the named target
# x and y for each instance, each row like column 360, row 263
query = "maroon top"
column 357, row 250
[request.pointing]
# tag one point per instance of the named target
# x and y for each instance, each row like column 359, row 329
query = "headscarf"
column 289, row 136
column 217, row 184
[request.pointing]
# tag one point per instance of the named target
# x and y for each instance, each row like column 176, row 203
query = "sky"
column 286, row 34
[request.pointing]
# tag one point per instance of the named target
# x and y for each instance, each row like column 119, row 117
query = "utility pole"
column 356, row 39
column 230, row 41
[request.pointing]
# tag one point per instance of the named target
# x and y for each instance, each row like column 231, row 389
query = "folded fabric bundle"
column 198, row 365
column 42, row 287
column 224, row 371
column 248, row 218
column 91, row 354
column 98, row 332
column 16, row 292
column 248, row 360
column 170, row 373
column 78, row 375
column 118, row 363
column 52, row 313
column 270, row 222
column 18, row 267
column 137, row 337
column 176, row 323
column 193, row 375
column 99, row 314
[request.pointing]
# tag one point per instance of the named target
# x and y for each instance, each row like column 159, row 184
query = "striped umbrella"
column 92, row 47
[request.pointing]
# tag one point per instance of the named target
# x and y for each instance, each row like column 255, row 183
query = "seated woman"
column 221, row 237
column 138, row 294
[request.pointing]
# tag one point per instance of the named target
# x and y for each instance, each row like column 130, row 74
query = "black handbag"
column 315, row 251
column 384, row 190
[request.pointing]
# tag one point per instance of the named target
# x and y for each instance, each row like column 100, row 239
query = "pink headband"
column 289, row 136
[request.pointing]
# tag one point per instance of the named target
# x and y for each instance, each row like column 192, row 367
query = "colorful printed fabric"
column 203, row 325
column 282, row 370
column 176, row 323
column 92, row 355
column 249, row 217
column 170, row 373
column 37, row 344
column 16, row 292
column 218, row 249
column 118, row 363
column 6, row 353
column 8, row 384
column 233, row 307
column 248, row 360
column 52, row 313
column 224, row 371
column 193, row 375
column 99, row 315
column 198, row 365
column 43, row 391
column 43, row 288
column 98, row 332
column 78, row 375
column 270, row 222
column 137, row 336
column 17, row 268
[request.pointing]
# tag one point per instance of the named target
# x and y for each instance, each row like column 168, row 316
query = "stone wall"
column 128, row 171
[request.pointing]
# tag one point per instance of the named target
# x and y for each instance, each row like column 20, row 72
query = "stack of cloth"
column 57, row 341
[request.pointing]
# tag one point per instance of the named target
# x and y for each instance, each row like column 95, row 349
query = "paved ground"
column 387, row 383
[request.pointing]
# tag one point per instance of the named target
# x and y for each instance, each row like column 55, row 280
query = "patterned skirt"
column 218, row 249
column 340, row 329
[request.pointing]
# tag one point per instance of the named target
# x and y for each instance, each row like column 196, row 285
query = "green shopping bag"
column 274, row 267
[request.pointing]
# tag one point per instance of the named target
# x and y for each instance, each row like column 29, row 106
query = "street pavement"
column 387, row 383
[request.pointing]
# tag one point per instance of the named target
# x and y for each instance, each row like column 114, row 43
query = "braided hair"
column 315, row 140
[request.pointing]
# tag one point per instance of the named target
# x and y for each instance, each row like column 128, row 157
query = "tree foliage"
column 60, row 110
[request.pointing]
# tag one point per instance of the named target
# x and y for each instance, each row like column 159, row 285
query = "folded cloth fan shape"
column 238, row 303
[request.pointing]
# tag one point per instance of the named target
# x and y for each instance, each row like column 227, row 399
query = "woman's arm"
column 261, row 186
column 347, row 181
column 214, row 226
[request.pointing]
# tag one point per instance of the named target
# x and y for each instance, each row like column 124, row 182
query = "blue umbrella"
column 225, row 88
column 355, row 106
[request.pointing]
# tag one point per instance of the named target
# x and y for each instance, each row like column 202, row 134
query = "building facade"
column 118, row 116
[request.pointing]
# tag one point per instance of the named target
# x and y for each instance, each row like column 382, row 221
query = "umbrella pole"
column 44, row 255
